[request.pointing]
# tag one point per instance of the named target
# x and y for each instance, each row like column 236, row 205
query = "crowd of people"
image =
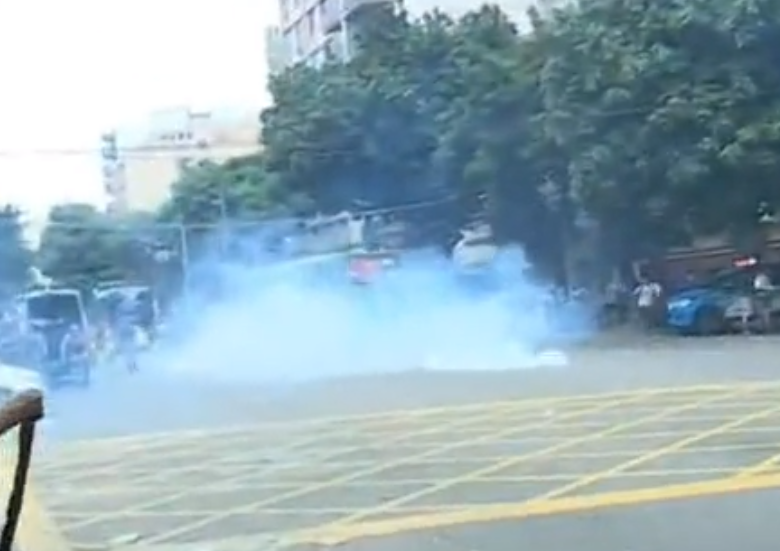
column 59, row 345
column 749, row 298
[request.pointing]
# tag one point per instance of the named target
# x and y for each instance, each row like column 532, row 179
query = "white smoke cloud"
column 306, row 321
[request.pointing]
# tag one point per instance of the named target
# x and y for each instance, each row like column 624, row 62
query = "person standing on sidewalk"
column 648, row 297
column 763, row 292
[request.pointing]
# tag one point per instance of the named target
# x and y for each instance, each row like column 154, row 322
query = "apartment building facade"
column 140, row 164
column 277, row 52
column 317, row 30
column 312, row 31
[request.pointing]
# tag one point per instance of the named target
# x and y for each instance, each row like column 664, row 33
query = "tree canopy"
column 81, row 245
column 206, row 192
column 652, row 121
column 15, row 253
column 643, row 122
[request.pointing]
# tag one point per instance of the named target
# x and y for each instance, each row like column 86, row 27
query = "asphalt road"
column 349, row 467
column 747, row 521
column 150, row 402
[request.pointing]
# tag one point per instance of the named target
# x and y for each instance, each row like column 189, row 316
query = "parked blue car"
column 713, row 306
column 699, row 310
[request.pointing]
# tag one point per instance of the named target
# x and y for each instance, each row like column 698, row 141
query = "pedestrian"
column 615, row 310
column 763, row 291
column 648, row 298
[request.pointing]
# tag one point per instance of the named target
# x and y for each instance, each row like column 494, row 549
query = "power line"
column 242, row 147
column 114, row 226
column 140, row 153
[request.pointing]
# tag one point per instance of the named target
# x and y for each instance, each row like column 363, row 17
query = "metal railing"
column 20, row 414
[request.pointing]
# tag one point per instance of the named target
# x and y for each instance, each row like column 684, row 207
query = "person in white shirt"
column 762, row 282
column 763, row 289
column 648, row 294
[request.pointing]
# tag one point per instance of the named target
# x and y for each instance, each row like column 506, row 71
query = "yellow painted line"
column 62, row 500
column 629, row 397
column 37, row 531
column 145, row 477
column 391, row 415
column 37, row 528
column 569, row 401
column 553, row 450
column 306, row 488
column 40, row 518
column 661, row 452
column 82, row 451
column 118, row 464
column 763, row 467
column 378, row 468
column 514, row 511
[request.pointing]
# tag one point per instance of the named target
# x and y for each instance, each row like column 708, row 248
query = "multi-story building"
column 276, row 50
column 141, row 164
column 315, row 30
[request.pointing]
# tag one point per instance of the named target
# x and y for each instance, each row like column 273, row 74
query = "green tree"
column 15, row 254
column 214, row 206
column 208, row 192
column 81, row 246
column 657, row 121
column 364, row 133
column 427, row 108
column 668, row 112
column 492, row 147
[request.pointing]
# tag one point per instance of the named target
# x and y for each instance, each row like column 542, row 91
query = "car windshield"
column 52, row 307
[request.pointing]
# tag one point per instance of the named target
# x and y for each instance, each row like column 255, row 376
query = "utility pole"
column 184, row 257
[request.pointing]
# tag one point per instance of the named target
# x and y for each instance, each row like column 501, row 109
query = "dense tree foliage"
column 642, row 123
column 653, row 120
column 668, row 112
column 207, row 192
column 15, row 253
column 81, row 245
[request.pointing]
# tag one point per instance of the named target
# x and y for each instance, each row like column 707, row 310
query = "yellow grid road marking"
column 603, row 405
column 666, row 450
column 497, row 512
column 392, row 415
column 388, row 423
column 759, row 469
column 444, row 427
column 342, row 524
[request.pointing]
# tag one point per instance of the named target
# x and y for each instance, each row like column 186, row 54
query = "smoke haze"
column 272, row 329
column 302, row 322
